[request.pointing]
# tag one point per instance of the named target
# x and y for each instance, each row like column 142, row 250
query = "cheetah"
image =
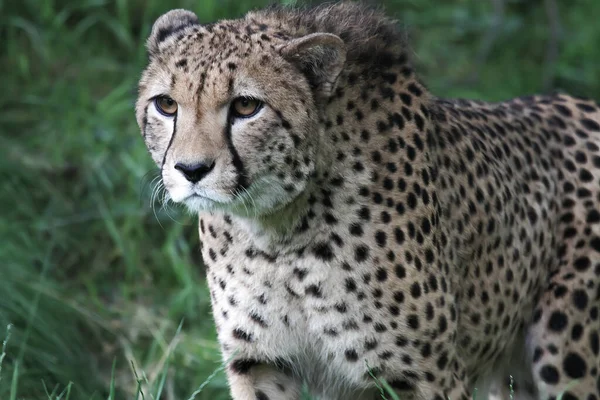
column 356, row 228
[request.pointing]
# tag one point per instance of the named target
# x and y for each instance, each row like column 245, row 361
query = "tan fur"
column 358, row 228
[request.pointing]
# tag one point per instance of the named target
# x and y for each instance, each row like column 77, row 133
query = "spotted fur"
column 359, row 228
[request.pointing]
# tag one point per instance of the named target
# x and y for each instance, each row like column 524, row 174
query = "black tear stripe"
column 170, row 142
column 242, row 181
column 144, row 122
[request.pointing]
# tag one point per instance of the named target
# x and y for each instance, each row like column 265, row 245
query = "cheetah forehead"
column 370, row 36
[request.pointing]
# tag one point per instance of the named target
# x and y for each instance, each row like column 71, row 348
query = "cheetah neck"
column 365, row 131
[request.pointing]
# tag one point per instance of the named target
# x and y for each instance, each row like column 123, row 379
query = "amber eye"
column 166, row 105
column 244, row 107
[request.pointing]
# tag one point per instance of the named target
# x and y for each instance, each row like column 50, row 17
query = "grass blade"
column 14, row 383
column 4, row 344
column 111, row 394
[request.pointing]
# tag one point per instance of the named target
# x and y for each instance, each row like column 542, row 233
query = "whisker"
column 253, row 202
column 153, row 198
column 165, row 205
column 147, row 181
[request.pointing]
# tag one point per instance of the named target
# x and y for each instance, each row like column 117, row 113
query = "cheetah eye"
column 166, row 105
column 245, row 107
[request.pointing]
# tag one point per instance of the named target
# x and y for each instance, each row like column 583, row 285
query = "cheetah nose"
column 195, row 172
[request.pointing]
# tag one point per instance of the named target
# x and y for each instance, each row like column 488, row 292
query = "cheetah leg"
column 451, row 385
column 249, row 380
column 457, row 389
column 564, row 338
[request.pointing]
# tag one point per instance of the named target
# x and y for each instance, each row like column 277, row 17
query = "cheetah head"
column 230, row 111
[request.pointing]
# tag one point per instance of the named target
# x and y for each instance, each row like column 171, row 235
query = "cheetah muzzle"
column 356, row 228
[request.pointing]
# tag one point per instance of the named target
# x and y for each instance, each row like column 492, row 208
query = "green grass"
column 96, row 277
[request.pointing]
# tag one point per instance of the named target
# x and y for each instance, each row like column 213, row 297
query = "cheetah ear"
column 167, row 25
column 320, row 57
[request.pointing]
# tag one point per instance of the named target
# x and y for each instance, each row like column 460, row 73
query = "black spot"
column 260, row 395
column 558, row 321
column 364, row 213
column 406, row 99
column 582, row 263
column 593, row 216
column 537, row 354
column 242, row 366
column 388, row 184
column 400, row 271
column 361, row 253
column 314, row 290
column 576, row 332
column 351, row 355
column 429, row 312
column 569, row 396
column 414, row 89
column 419, row 122
column 350, row 285
column 385, row 218
column 413, row 321
column 341, row 308
column 580, row 299
column 300, row 273
column 585, row 175
column 595, row 342
column 356, row 230
column 590, row 125
column 371, row 344
column 442, row 324
column 399, row 235
column 212, row 254
column 429, row 257
column 549, row 374
column 399, row 296
column 181, row 63
column 595, row 243
column 574, row 366
column 296, row 139
column 242, row 335
column 402, row 385
column 380, row 238
column 415, row 290
column 323, row 251
column 330, row 219
column 411, row 200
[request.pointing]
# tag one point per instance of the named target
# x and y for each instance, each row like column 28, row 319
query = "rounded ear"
column 320, row 56
column 167, row 25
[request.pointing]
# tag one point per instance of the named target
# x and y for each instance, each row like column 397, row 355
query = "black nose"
column 194, row 172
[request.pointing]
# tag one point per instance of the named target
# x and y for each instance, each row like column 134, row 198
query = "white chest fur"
column 297, row 308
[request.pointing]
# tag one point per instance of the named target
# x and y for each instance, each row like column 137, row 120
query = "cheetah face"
column 231, row 118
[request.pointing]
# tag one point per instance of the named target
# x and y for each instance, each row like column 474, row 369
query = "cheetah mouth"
column 196, row 203
column 264, row 196
column 194, row 196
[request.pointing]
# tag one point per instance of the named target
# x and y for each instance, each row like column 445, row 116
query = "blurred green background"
column 96, row 274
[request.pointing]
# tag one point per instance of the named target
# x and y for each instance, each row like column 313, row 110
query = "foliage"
column 94, row 269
